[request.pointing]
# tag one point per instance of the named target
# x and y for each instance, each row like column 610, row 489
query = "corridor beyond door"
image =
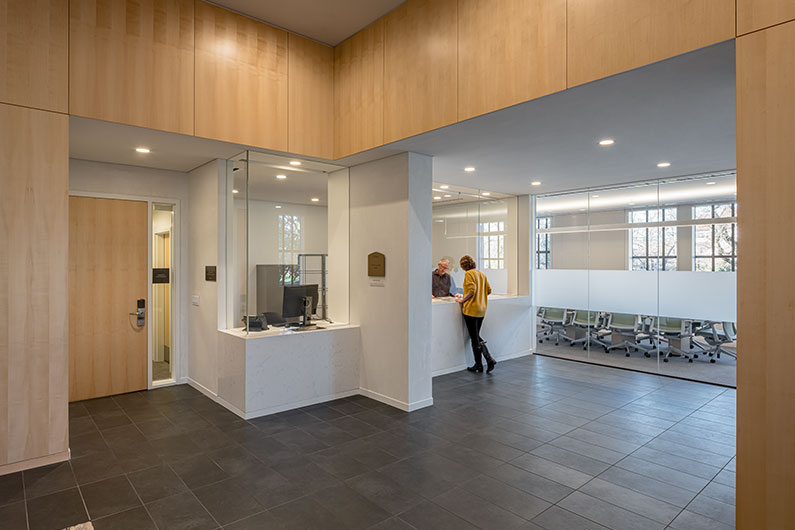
column 107, row 285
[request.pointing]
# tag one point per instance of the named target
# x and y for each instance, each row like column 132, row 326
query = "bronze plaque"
column 160, row 275
column 209, row 273
column 376, row 264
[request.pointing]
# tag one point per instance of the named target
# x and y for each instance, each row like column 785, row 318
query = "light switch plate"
column 194, row 300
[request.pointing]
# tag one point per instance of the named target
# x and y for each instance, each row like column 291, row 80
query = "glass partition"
column 646, row 274
column 278, row 242
column 162, row 291
column 480, row 224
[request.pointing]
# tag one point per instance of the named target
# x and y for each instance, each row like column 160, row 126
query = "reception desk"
column 271, row 371
column 507, row 329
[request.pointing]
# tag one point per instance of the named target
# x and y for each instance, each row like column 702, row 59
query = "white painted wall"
column 390, row 212
column 99, row 178
column 207, row 195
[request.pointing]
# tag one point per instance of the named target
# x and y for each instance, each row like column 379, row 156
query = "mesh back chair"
column 717, row 338
column 629, row 327
column 554, row 320
column 592, row 323
column 674, row 329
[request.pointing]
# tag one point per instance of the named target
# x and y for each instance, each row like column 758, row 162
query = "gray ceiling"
column 327, row 21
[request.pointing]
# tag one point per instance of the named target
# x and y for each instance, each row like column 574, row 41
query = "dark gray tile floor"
column 541, row 443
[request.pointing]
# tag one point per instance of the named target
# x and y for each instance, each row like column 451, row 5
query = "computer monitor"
column 293, row 301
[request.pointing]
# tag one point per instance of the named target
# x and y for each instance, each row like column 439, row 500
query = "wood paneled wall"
column 606, row 37
column 765, row 294
column 359, row 91
column 509, row 54
column 34, row 44
column 753, row 15
column 34, row 156
column 131, row 61
column 241, row 79
column 420, row 67
column 311, row 98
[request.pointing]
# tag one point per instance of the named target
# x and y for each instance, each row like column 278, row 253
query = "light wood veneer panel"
column 359, row 91
column 241, row 79
column 108, row 245
column 311, row 98
column 34, row 156
column 765, row 290
column 34, row 47
column 509, row 52
column 131, row 61
column 753, row 15
column 420, row 67
column 606, row 37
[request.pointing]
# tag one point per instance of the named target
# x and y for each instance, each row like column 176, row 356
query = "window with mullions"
column 715, row 245
column 291, row 242
column 542, row 243
column 652, row 247
column 492, row 245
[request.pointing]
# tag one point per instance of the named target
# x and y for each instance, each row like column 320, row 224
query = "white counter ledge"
column 280, row 369
column 507, row 329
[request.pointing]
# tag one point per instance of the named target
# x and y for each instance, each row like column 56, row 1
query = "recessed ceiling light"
column 469, row 169
column 437, row 198
column 594, row 196
column 142, row 149
column 535, row 183
column 447, row 196
column 607, row 141
column 277, row 206
column 281, row 177
column 444, row 186
column 235, row 191
column 486, row 193
column 315, row 199
column 711, row 183
column 295, row 162
column 438, row 220
column 664, row 164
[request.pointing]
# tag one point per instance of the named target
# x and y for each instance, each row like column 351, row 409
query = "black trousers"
column 473, row 327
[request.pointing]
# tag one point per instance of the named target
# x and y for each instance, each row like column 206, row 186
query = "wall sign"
column 160, row 275
column 209, row 273
column 376, row 264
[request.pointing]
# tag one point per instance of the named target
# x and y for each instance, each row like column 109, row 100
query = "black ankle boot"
column 490, row 362
column 475, row 368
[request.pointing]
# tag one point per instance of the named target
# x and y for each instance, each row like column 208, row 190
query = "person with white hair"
column 441, row 283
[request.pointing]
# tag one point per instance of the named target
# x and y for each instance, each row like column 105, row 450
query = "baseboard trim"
column 6, row 469
column 201, row 388
column 402, row 405
column 506, row 357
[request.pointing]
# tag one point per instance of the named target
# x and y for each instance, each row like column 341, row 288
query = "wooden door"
column 107, row 275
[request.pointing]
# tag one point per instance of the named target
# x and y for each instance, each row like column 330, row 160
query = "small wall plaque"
column 209, row 273
column 160, row 275
column 376, row 264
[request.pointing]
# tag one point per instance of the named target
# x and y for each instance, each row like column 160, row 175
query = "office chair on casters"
column 718, row 337
column 673, row 330
column 629, row 327
column 591, row 322
column 554, row 321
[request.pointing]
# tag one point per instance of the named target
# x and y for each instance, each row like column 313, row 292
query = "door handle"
column 140, row 313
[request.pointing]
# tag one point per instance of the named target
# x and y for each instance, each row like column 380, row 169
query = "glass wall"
column 277, row 242
column 162, row 291
column 480, row 224
column 641, row 276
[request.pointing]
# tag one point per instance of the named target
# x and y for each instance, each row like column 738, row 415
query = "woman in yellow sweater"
column 473, row 306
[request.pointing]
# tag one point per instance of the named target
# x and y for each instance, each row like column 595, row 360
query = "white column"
column 390, row 212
